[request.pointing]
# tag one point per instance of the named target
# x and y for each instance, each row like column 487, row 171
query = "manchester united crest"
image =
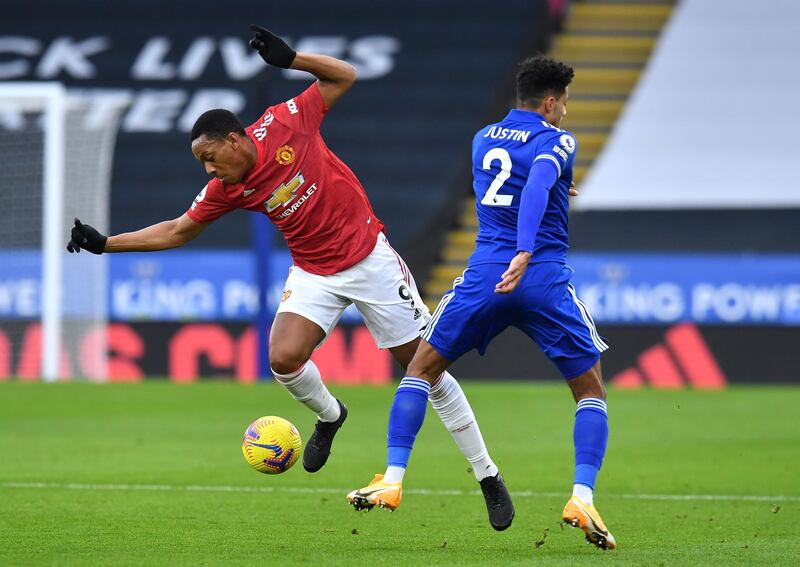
column 285, row 155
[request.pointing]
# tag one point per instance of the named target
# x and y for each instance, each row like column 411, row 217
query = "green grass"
column 741, row 442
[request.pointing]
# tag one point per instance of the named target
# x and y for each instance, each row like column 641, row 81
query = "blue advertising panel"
column 728, row 289
column 619, row 289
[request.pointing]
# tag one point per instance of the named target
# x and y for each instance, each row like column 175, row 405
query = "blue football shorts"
column 544, row 306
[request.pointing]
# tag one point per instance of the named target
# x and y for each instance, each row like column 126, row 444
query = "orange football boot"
column 378, row 493
column 579, row 515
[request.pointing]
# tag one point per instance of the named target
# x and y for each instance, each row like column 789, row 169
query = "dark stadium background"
column 431, row 74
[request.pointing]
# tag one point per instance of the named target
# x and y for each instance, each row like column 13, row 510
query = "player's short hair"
column 217, row 123
column 541, row 76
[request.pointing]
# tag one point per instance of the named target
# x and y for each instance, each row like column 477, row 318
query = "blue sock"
column 590, row 437
column 405, row 419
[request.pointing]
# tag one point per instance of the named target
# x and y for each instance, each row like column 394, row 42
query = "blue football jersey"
column 502, row 156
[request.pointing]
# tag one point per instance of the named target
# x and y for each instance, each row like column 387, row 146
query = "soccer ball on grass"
column 271, row 444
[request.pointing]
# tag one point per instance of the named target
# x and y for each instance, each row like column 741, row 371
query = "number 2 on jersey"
column 491, row 198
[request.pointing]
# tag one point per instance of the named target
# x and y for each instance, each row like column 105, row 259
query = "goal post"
column 60, row 157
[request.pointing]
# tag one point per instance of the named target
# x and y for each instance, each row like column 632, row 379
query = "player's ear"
column 233, row 139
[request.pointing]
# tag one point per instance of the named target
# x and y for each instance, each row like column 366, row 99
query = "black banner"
column 684, row 355
column 429, row 72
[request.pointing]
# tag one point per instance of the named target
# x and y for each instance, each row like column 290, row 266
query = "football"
column 271, row 444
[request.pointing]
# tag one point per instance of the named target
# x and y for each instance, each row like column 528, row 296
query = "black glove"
column 271, row 48
column 86, row 237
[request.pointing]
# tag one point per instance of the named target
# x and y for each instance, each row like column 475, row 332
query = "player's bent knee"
column 588, row 384
column 286, row 361
column 419, row 371
column 427, row 364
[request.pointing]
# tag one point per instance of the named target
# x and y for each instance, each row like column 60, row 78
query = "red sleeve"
column 303, row 113
column 210, row 203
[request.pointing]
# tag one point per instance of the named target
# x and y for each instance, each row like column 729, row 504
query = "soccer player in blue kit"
column 517, row 276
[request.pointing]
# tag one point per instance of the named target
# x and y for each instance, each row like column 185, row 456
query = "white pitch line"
column 424, row 491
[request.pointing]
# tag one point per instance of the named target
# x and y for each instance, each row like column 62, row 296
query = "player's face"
column 558, row 109
column 223, row 158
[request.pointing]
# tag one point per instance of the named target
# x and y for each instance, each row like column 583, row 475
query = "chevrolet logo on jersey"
column 286, row 193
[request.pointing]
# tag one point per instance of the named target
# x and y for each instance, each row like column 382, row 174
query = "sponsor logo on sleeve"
column 562, row 153
column 200, row 196
column 567, row 142
column 292, row 106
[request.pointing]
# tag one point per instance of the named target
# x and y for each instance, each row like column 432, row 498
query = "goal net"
column 57, row 165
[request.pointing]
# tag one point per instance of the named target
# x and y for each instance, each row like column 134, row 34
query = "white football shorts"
column 381, row 287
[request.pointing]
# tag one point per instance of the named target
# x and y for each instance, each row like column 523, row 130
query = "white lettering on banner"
column 241, row 63
column 239, row 298
column 372, row 56
column 150, row 64
column 333, row 46
column 171, row 299
column 103, row 105
column 19, row 46
column 736, row 303
column 72, row 57
column 196, row 59
column 663, row 302
column 206, row 99
column 19, row 298
column 154, row 111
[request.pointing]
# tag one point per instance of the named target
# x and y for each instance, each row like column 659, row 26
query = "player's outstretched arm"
column 335, row 76
column 161, row 236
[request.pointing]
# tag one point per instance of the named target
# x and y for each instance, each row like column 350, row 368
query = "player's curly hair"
column 217, row 123
column 541, row 76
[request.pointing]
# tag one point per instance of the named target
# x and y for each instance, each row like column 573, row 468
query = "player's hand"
column 572, row 191
column 271, row 48
column 512, row 276
column 86, row 237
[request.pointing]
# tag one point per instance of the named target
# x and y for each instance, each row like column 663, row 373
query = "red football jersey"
column 313, row 198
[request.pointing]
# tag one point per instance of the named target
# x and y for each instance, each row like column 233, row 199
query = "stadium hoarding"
column 657, row 356
column 186, row 314
column 619, row 288
column 185, row 352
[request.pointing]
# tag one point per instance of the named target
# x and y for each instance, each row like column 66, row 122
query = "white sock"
column 454, row 410
column 306, row 387
column 394, row 474
column 584, row 493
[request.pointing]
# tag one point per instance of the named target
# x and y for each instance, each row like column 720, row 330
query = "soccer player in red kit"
column 281, row 167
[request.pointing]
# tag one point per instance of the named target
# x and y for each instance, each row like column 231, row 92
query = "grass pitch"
column 153, row 474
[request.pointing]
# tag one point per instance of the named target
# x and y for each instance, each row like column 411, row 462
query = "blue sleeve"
column 558, row 149
column 533, row 203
